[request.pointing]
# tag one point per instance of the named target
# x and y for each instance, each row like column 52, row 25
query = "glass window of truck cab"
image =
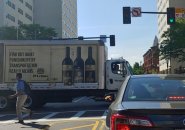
column 118, row 68
column 129, row 68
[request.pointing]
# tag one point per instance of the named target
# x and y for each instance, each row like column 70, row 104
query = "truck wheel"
column 3, row 102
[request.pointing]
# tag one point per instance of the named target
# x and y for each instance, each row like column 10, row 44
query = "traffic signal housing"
column 126, row 15
column 112, row 40
column 170, row 15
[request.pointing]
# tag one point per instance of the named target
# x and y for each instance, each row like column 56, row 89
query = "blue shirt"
column 20, row 86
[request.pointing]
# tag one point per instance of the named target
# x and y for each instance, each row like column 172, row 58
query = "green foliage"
column 173, row 45
column 27, row 32
column 137, row 69
column 8, row 33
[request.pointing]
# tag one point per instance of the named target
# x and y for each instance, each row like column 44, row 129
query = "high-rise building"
column 58, row 14
column 162, row 5
column 16, row 12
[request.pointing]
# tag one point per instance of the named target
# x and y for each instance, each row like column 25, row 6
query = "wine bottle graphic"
column 78, row 67
column 67, row 69
column 90, row 67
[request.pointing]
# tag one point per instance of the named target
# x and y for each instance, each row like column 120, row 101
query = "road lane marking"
column 78, row 115
column 51, row 120
column 13, row 120
column 48, row 116
column 96, row 120
column 96, row 125
column 77, row 127
column 102, row 125
column 77, row 100
column 2, row 116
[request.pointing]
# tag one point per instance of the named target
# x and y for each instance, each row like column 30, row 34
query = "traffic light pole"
column 170, row 12
column 111, row 37
column 154, row 12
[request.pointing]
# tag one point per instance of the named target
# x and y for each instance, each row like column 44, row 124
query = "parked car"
column 153, row 102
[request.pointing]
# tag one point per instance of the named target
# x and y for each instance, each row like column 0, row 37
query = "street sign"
column 136, row 12
column 180, row 12
column 103, row 38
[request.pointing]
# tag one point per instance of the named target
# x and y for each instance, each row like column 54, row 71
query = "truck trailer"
column 59, row 70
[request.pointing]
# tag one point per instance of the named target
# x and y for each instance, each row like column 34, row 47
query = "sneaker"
column 30, row 115
column 21, row 122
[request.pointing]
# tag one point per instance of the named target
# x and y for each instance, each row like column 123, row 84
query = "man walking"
column 21, row 98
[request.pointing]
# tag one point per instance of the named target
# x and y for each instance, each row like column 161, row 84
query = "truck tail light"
column 121, row 122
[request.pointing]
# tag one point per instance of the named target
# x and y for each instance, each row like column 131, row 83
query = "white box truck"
column 59, row 70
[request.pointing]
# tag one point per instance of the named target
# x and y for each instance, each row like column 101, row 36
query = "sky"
column 104, row 17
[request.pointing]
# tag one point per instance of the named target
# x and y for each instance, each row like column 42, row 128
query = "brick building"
column 151, row 58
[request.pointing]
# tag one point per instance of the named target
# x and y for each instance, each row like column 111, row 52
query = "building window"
column 13, row 5
column 10, row 17
column 28, row 5
column 10, row 4
column 20, row 22
column 28, row 16
column 21, row 1
column 20, row 11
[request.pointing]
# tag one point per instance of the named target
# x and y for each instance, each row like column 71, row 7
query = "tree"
column 27, row 32
column 173, row 45
column 8, row 33
column 137, row 69
column 35, row 31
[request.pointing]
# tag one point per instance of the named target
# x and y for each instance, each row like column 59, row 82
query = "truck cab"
column 116, row 72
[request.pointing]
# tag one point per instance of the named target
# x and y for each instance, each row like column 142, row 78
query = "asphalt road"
column 81, row 114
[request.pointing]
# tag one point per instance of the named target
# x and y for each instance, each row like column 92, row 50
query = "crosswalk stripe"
column 14, row 119
column 77, row 115
column 48, row 116
column 2, row 116
column 77, row 100
column 7, row 122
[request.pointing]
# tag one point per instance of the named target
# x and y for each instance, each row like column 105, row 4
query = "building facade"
column 171, row 65
column 151, row 59
column 58, row 14
column 16, row 12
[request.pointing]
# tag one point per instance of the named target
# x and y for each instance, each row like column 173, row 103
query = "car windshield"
column 154, row 89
